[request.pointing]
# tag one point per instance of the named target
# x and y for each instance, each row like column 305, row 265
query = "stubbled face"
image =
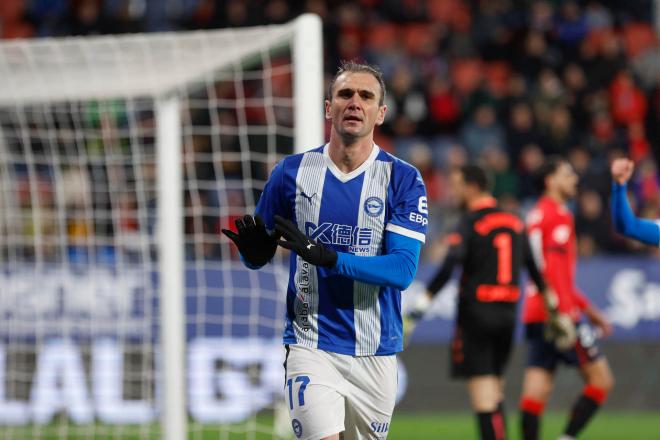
column 354, row 109
column 565, row 180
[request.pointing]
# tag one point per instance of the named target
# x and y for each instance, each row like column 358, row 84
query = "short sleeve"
column 271, row 200
column 410, row 213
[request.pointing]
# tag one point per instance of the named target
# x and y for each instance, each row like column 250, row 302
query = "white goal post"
column 104, row 143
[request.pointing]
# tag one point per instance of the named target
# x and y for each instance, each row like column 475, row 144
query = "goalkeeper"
column 553, row 242
column 355, row 218
column 491, row 245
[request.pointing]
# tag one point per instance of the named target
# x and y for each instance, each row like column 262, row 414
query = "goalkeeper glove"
column 306, row 248
column 414, row 313
column 254, row 243
column 560, row 330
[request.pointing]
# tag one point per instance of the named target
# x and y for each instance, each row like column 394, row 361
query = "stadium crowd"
column 501, row 83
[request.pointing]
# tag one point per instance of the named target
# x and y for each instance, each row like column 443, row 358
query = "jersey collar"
column 345, row 177
column 487, row 202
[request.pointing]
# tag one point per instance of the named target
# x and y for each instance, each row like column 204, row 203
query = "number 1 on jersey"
column 502, row 243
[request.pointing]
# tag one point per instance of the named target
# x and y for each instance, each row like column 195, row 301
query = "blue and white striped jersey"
column 349, row 212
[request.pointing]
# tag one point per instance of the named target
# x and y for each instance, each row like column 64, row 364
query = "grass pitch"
column 405, row 426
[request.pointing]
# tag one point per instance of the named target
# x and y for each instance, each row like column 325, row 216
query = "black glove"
column 253, row 241
column 305, row 247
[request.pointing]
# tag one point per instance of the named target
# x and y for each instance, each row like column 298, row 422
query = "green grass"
column 405, row 426
column 460, row 426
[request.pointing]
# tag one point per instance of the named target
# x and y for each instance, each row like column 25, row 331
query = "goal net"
column 123, row 312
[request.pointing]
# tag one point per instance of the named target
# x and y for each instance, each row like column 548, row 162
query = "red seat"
column 466, row 75
column 637, row 38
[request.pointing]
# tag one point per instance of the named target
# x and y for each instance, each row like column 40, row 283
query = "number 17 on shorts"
column 328, row 393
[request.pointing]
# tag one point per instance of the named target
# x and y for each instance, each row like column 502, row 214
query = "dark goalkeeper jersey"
column 491, row 245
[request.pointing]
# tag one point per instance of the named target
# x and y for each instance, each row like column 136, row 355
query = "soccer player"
column 625, row 222
column 355, row 218
column 491, row 245
column 553, row 242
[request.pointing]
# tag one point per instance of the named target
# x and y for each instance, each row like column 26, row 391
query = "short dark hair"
column 549, row 167
column 355, row 67
column 475, row 175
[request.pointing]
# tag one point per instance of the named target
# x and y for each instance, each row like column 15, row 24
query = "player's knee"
column 602, row 379
column 606, row 381
column 537, row 385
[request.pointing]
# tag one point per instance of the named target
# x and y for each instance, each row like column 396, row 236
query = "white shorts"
column 328, row 393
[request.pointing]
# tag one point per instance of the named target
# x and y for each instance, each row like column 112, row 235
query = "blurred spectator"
column 503, row 82
column 521, row 130
column 406, row 105
column 85, row 17
column 505, row 180
column 571, row 27
column 444, row 105
column 592, row 225
column 13, row 20
column 482, row 131
column 627, row 100
column 531, row 159
column 559, row 136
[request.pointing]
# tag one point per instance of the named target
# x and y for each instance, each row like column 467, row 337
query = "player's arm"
column 625, row 221
column 455, row 256
column 532, row 267
column 397, row 268
column 255, row 243
column 559, row 327
column 593, row 313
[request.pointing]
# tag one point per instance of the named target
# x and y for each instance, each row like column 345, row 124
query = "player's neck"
column 349, row 156
column 556, row 196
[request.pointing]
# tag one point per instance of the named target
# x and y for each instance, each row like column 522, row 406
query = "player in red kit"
column 552, row 238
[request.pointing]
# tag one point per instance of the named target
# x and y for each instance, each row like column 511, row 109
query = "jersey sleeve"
column 397, row 268
column 271, row 200
column 457, row 242
column 530, row 263
column 410, row 213
column 625, row 222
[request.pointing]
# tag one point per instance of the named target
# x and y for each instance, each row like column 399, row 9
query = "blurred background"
column 500, row 83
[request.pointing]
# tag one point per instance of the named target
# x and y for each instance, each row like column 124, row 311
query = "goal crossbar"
column 125, row 66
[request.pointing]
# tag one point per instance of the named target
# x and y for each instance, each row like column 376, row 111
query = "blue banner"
column 228, row 300
column 626, row 289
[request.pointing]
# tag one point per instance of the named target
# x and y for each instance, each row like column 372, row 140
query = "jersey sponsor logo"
column 423, row 205
column 380, row 427
column 297, row 427
column 302, row 298
column 309, row 198
column 373, row 206
column 561, row 234
column 356, row 238
column 421, row 216
column 418, row 218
